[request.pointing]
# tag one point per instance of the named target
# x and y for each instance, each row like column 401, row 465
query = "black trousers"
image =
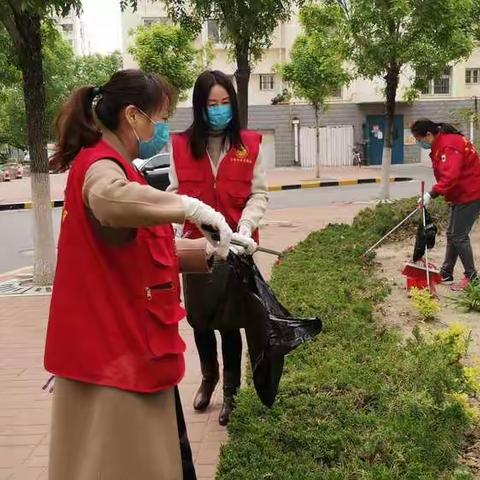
column 231, row 349
column 185, row 450
column 460, row 223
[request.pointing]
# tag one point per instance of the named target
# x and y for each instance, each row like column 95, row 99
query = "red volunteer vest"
column 456, row 166
column 229, row 192
column 115, row 309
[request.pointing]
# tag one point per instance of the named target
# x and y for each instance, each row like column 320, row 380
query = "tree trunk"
column 242, row 76
column 391, row 86
column 29, row 51
column 317, row 142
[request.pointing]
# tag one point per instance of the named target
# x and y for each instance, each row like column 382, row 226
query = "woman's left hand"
column 249, row 246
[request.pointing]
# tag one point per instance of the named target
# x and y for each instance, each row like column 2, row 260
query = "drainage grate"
column 22, row 287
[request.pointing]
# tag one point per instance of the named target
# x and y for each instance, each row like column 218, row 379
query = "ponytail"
column 76, row 127
column 448, row 128
column 423, row 126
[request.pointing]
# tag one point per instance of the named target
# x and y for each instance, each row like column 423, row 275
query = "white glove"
column 249, row 248
column 427, row 198
column 177, row 229
column 201, row 214
column 210, row 250
column 245, row 230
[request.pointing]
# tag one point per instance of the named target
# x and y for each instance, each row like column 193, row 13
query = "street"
column 16, row 226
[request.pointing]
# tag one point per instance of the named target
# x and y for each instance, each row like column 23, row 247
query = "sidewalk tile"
column 28, row 473
column 12, row 456
column 6, row 473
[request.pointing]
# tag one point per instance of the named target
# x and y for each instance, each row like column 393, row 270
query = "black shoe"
column 210, row 379
column 447, row 279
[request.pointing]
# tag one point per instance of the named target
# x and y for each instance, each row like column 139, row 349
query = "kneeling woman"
column 220, row 164
column 113, row 340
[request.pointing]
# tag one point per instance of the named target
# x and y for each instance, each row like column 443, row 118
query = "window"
column 440, row 85
column 337, row 93
column 213, row 31
column 472, row 76
column 147, row 21
column 267, row 82
column 67, row 27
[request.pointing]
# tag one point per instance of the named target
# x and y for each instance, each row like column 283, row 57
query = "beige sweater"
column 118, row 203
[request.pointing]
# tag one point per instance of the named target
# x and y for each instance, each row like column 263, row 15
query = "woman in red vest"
column 220, row 164
column 113, row 340
column 456, row 166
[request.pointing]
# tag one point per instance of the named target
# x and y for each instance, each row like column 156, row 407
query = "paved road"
column 16, row 226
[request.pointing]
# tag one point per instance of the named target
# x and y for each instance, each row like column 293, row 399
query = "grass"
column 469, row 299
column 359, row 402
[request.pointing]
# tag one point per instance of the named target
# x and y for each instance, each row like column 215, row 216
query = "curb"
column 334, row 183
column 26, row 205
column 272, row 188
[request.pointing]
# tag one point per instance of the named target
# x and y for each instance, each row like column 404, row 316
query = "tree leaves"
column 63, row 72
column 420, row 37
column 316, row 69
column 243, row 23
column 169, row 51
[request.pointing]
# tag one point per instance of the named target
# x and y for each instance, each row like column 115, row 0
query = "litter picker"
column 422, row 205
column 216, row 237
column 394, row 229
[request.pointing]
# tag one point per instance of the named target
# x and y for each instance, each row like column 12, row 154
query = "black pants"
column 231, row 349
column 462, row 218
column 186, row 452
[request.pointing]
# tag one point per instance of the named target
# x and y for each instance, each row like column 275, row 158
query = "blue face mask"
column 219, row 116
column 424, row 145
column 150, row 148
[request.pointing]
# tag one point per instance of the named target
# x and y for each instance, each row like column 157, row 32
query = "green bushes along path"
column 360, row 402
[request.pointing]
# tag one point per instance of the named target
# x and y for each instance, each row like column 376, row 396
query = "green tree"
column 410, row 39
column 316, row 69
column 63, row 72
column 245, row 26
column 96, row 69
column 168, row 50
column 22, row 20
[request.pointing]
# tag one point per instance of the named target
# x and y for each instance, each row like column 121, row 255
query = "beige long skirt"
column 101, row 433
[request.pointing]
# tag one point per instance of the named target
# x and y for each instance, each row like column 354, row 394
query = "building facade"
column 73, row 30
column 359, row 105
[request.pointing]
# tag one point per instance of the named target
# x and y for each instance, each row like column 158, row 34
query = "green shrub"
column 359, row 402
column 424, row 303
column 469, row 299
column 382, row 218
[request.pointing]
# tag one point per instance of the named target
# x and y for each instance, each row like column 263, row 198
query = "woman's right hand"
column 201, row 214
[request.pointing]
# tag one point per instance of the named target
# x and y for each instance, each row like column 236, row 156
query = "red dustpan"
column 418, row 276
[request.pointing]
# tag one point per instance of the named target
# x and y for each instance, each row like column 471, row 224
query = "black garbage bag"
column 235, row 295
column 271, row 331
column 425, row 237
column 210, row 300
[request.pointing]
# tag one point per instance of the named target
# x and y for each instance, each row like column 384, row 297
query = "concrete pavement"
column 25, row 408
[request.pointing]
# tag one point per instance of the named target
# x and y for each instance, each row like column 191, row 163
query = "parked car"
column 155, row 170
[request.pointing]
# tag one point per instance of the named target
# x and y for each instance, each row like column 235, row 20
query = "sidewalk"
column 25, row 408
column 18, row 191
